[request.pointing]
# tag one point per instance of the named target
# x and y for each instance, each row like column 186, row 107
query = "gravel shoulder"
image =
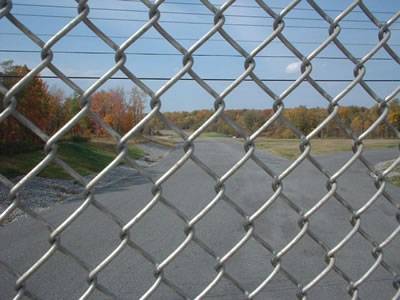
column 40, row 193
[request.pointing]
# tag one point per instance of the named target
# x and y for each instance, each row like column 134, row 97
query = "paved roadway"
column 93, row 235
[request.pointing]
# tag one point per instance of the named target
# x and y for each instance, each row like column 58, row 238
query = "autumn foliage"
column 49, row 110
column 118, row 111
column 357, row 118
column 34, row 102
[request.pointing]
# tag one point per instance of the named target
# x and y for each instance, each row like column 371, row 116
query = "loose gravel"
column 40, row 193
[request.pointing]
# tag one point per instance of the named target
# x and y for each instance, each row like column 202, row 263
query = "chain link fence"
column 304, row 216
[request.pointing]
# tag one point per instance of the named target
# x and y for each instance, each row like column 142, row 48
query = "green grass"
column 395, row 180
column 289, row 148
column 171, row 137
column 85, row 158
column 163, row 141
column 212, row 134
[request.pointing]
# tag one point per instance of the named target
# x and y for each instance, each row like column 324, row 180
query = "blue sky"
column 187, row 95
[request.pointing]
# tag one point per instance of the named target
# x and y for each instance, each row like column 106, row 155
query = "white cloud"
column 293, row 67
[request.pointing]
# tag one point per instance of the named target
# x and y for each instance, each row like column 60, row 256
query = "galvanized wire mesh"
column 249, row 72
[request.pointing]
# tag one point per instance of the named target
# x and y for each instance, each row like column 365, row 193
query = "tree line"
column 358, row 118
column 49, row 109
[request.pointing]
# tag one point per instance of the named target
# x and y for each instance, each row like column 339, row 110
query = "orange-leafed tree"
column 394, row 114
column 117, row 110
column 109, row 106
column 34, row 101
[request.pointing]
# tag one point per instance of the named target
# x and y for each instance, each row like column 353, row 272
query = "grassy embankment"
column 171, row 138
column 84, row 157
column 289, row 148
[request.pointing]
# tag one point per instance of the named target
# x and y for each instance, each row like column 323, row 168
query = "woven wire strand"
column 82, row 17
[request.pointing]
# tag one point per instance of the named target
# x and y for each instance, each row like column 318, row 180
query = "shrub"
column 18, row 147
column 79, row 139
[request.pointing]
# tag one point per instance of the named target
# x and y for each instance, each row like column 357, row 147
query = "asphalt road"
column 93, row 236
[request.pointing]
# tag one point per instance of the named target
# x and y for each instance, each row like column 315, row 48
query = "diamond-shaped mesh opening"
column 90, row 250
column 193, row 257
column 123, row 271
column 245, row 195
column 231, row 228
column 48, row 274
column 363, row 254
column 165, row 237
column 277, row 225
column 243, row 266
column 312, row 260
column 331, row 221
